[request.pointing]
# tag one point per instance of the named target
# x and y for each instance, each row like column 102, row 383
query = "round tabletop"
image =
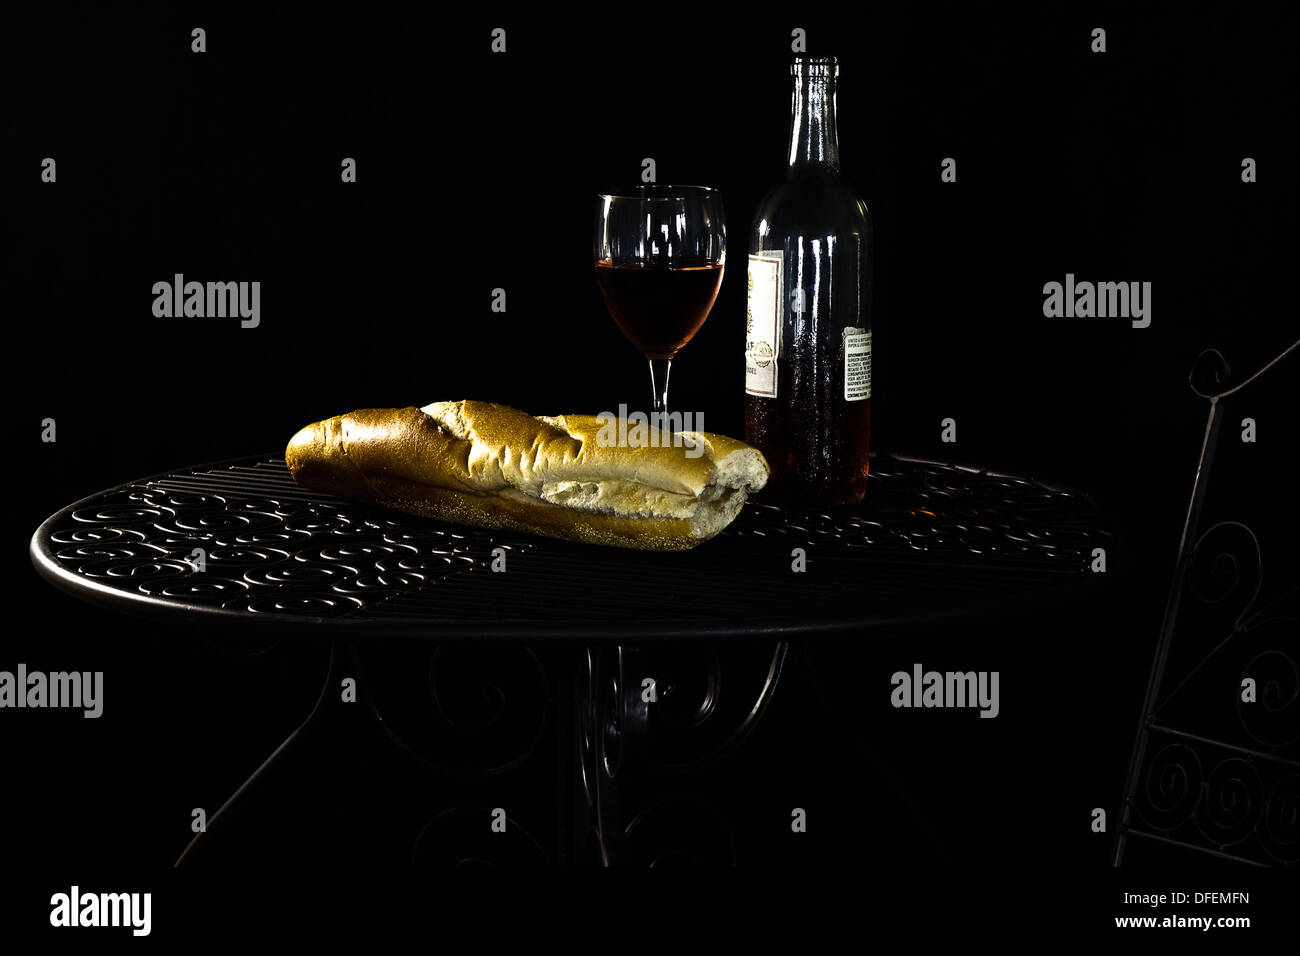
column 238, row 544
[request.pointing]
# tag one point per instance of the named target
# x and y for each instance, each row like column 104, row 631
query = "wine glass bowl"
column 660, row 252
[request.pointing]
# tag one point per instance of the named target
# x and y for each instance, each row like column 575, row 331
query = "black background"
column 478, row 171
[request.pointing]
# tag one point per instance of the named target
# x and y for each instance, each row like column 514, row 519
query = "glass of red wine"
column 659, row 252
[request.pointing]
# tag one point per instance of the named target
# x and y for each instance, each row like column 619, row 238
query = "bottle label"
column 857, row 364
column 763, row 324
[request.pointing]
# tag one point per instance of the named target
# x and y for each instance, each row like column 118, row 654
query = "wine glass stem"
column 659, row 383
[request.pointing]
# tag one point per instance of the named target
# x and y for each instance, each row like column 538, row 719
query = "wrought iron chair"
column 1215, row 767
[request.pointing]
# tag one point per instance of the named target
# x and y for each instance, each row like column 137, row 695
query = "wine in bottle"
column 808, row 322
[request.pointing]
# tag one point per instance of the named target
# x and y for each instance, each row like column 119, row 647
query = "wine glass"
column 660, row 252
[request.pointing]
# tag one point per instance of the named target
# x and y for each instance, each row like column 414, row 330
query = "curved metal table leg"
column 247, row 789
column 632, row 747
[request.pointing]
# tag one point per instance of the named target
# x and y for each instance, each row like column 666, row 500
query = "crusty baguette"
column 497, row 467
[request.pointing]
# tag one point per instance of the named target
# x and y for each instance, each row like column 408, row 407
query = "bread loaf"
column 497, row 467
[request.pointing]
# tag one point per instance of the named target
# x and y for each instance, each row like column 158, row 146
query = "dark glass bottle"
column 808, row 323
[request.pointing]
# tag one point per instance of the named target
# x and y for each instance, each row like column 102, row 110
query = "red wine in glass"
column 660, row 252
column 659, row 309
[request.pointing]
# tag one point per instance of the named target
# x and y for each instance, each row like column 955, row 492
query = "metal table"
column 238, row 546
column 930, row 538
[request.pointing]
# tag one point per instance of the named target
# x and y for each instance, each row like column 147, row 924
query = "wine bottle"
column 808, row 322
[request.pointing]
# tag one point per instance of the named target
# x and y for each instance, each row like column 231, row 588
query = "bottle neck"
column 814, row 141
